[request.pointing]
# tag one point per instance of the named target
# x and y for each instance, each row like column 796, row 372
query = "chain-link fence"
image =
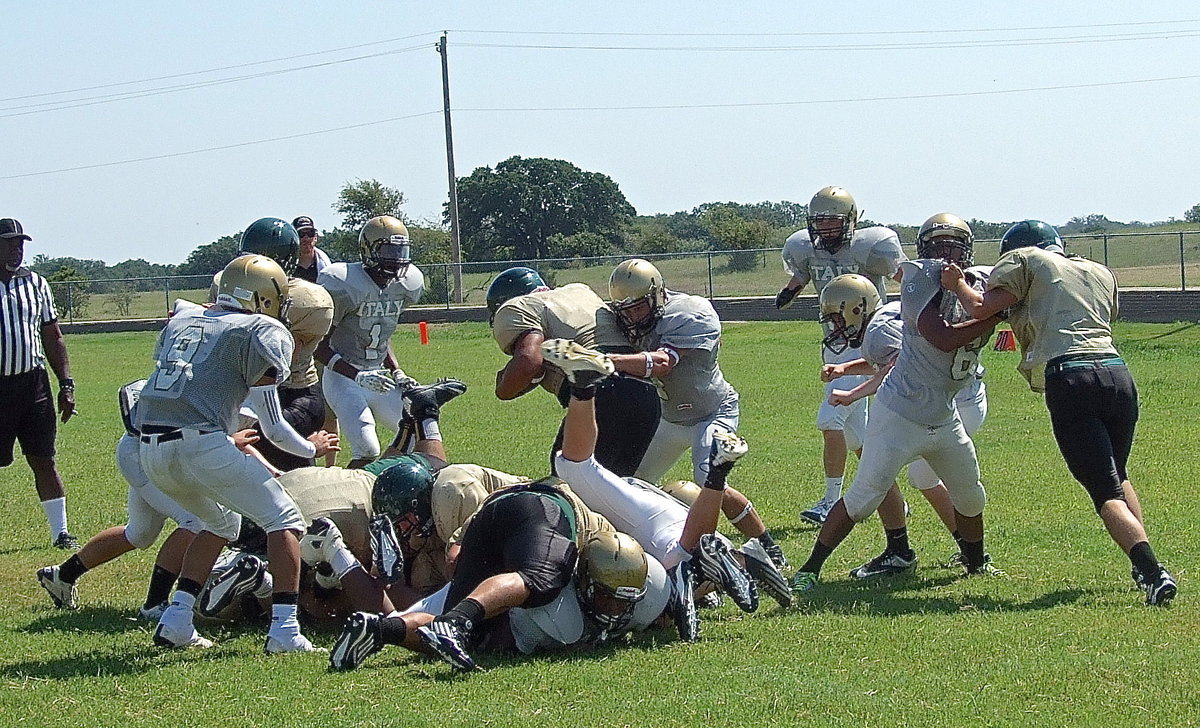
column 1169, row 260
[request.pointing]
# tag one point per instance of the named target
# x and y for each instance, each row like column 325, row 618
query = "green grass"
column 1063, row 641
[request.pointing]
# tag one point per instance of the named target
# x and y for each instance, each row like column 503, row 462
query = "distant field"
column 1063, row 641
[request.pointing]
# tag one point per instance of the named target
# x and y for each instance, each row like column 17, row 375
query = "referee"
column 29, row 336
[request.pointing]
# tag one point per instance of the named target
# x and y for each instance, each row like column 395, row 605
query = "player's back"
column 309, row 317
column 205, row 363
column 569, row 312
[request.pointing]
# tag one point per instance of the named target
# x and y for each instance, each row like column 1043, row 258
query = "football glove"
column 785, row 297
column 378, row 381
column 403, row 381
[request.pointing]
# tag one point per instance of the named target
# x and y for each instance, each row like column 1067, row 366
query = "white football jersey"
column 364, row 315
column 873, row 252
column 206, row 360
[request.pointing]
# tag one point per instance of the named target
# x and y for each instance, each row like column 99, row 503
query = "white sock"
column 283, row 619
column 833, row 488
column 343, row 561
column 267, row 586
column 429, row 430
column 56, row 514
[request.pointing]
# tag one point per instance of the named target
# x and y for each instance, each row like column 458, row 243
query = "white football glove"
column 403, row 381
column 318, row 545
column 378, row 381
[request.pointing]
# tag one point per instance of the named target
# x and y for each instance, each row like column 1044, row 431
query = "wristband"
column 649, row 363
column 332, row 361
column 66, row 383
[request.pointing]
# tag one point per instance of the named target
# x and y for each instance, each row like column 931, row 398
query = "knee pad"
column 143, row 535
column 968, row 501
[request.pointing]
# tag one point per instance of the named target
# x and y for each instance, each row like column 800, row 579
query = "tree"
column 72, row 294
column 512, row 212
column 735, row 232
column 208, row 259
column 1192, row 215
column 364, row 199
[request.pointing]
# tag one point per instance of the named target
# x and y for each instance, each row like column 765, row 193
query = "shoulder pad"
column 875, row 240
column 922, row 281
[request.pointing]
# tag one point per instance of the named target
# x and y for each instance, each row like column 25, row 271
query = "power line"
column 43, row 107
column 930, row 31
column 213, row 70
column 220, row 148
column 921, row 45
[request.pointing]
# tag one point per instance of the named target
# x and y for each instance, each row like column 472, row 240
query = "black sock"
column 190, row 586
column 285, row 598
column 1143, row 559
column 71, row 569
column 468, row 614
column 973, row 555
column 715, row 480
column 816, row 560
column 160, row 586
column 958, row 539
column 583, row 394
column 392, row 630
column 897, row 541
column 766, row 540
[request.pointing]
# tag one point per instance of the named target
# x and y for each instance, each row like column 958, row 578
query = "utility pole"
column 455, row 240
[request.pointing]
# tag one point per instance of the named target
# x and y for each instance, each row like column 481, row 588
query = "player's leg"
column 351, row 404
column 668, row 444
column 952, row 457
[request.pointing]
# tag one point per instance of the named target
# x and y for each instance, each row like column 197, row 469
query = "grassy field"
column 1064, row 640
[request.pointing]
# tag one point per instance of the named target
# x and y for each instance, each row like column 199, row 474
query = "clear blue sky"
column 1125, row 150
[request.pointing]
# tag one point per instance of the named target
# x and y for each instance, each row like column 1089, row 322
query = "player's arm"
column 830, row 372
column 948, row 337
column 330, row 358
column 979, row 305
column 264, row 400
column 524, row 371
column 56, row 353
column 866, row 389
column 657, row 363
column 790, row 290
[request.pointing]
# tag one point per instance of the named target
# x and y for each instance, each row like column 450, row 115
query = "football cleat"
column 62, row 593
column 584, row 367
column 448, row 641
column 987, row 568
column 775, row 552
column 246, row 575
column 682, row 604
column 289, row 643
column 727, row 448
column 954, row 562
column 769, row 578
column 170, row 636
column 66, row 541
column 1160, row 589
column 817, row 512
column 714, row 561
column 885, row 564
column 804, row 581
column 321, row 542
column 425, row 402
column 152, row 614
column 389, row 559
column 710, row 600
column 360, row 638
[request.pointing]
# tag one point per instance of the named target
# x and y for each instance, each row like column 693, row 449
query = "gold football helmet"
column 254, row 283
column 684, row 491
column 632, row 283
column 611, row 579
column 946, row 237
column 384, row 246
column 829, row 206
column 847, row 304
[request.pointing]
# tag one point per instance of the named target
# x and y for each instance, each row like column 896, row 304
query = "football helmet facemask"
column 1032, row 233
column 637, row 296
column 946, row 237
column 847, row 304
column 274, row 238
column 511, row 283
column 384, row 246
column 611, row 579
column 254, row 283
column 833, row 211
column 404, row 493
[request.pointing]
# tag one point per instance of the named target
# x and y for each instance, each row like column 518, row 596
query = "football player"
column 914, row 413
column 207, row 363
column 852, row 302
column 363, row 382
column 1061, row 309
column 832, row 246
column 308, row 319
column 524, row 313
column 673, row 533
column 679, row 336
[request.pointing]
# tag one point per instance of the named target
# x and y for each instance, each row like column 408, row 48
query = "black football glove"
column 785, row 297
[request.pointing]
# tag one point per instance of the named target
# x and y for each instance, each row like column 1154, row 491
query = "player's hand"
column 784, row 298
column 951, row 275
column 841, row 397
column 830, row 372
column 378, row 381
column 403, row 381
column 245, row 438
column 325, row 442
column 66, row 403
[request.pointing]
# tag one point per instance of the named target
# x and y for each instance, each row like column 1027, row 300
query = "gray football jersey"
column 873, row 252
column 884, row 338
column 364, row 315
column 204, row 365
column 923, row 384
column 695, row 388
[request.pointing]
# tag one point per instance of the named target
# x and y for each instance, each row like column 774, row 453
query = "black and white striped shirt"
column 25, row 306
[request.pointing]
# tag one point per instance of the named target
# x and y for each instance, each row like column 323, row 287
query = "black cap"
column 10, row 229
column 304, row 222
